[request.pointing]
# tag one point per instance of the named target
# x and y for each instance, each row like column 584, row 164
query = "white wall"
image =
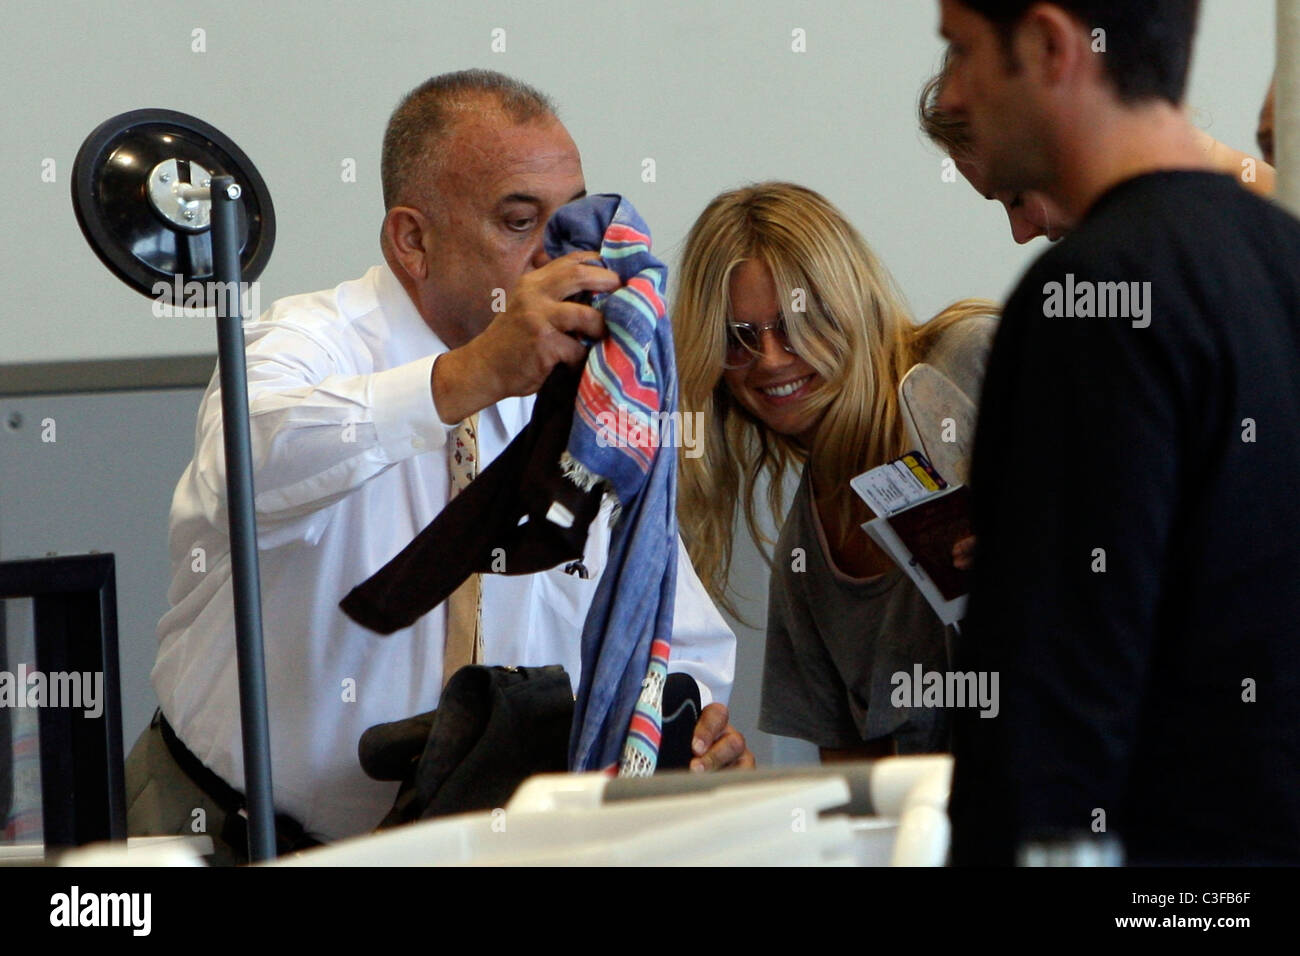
column 715, row 97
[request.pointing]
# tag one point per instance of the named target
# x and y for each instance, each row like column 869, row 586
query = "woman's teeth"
column 789, row 388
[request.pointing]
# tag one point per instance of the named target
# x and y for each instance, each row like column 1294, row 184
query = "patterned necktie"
column 465, row 606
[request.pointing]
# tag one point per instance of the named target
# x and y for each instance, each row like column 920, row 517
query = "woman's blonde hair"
column 843, row 316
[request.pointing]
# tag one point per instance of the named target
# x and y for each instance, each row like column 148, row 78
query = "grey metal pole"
column 245, row 573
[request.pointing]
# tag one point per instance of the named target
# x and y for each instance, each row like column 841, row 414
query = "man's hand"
column 518, row 349
column 963, row 554
column 718, row 745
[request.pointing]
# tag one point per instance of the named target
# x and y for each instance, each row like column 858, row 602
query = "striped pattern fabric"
column 641, row 748
column 618, row 395
column 622, row 417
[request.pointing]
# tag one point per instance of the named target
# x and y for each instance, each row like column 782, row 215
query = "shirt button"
column 419, row 443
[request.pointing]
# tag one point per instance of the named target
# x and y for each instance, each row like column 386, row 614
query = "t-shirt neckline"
column 876, row 584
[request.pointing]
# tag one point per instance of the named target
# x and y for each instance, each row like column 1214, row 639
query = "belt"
column 289, row 833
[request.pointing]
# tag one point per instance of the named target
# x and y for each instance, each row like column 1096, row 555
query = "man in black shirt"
column 1137, row 582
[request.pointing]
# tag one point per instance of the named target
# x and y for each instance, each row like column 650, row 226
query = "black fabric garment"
column 1127, row 692
column 494, row 727
column 681, row 710
column 524, row 480
column 290, row 837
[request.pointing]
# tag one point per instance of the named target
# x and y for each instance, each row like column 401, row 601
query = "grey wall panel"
column 103, row 484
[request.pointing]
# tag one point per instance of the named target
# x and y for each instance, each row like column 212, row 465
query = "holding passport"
column 919, row 520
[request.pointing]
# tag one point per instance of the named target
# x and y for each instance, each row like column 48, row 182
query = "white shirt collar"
column 402, row 313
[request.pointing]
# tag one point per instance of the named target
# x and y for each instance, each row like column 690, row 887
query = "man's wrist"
column 458, row 389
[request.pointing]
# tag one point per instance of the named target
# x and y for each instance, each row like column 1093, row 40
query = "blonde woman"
column 791, row 340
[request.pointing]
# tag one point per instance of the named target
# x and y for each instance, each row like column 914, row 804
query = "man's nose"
column 539, row 257
column 1024, row 229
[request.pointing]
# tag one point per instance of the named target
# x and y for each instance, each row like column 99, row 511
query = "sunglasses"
column 745, row 342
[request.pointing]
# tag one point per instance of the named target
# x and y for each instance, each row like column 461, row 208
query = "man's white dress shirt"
column 350, row 463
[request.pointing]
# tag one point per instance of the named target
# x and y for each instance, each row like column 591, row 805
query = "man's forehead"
column 496, row 156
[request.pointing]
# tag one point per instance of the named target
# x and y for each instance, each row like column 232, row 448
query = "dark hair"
column 418, row 127
column 1148, row 42
column 950, row 134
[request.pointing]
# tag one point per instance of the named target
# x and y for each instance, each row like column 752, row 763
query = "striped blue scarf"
column 622, row 417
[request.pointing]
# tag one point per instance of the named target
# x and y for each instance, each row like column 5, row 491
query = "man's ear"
column 406, row 232
column 1054, row 45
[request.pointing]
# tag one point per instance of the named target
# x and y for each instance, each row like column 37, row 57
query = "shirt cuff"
column 406, row 421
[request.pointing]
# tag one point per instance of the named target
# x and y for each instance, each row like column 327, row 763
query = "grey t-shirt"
column 834, row 642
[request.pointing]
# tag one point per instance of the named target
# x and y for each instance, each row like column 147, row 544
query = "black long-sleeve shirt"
column 1137, row 512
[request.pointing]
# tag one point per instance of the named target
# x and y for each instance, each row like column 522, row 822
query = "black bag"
column 494, row 727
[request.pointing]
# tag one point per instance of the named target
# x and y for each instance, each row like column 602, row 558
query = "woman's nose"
column 772, row 348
